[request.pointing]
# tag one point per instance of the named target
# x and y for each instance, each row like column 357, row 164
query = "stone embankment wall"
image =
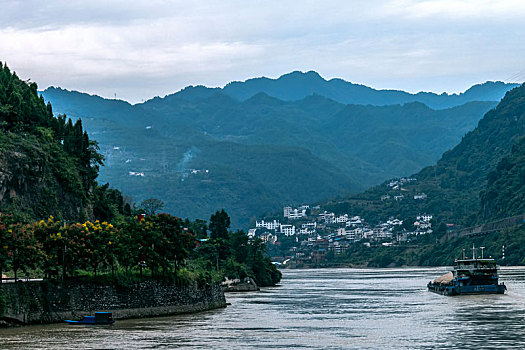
column 46, row 302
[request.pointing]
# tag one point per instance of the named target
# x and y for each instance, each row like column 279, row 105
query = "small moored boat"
column 470, row 276
column 98, row 319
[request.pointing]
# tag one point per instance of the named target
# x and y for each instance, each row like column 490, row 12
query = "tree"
column 5, row 239
column 48, row 234
column 174, row 241
column 198, row 227
column 151, row 206
column 219, row 224
column 25, row 251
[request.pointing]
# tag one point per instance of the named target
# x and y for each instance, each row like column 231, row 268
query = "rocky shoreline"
column 236, row 285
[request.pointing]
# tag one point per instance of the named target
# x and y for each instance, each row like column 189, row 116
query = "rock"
column 235, row 285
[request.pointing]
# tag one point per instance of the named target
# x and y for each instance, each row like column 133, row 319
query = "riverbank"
column 52, row 302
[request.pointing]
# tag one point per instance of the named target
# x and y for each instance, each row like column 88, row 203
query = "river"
column 317, row 309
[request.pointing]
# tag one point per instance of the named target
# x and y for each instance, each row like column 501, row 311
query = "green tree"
column 174, row 241
column 48, row 234
column 25, row 251
column 5, row 240
column 151, row 206
column 219, row 224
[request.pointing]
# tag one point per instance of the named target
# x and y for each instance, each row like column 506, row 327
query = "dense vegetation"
column 456, row 185
column 163, row 245
column 55, row 219
column 425, row 252
column 480, row 180
column 48, row 164
column 255, row 153
column 504, row 194
column 237, row 255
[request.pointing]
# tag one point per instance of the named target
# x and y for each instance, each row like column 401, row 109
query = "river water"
column 317, row 309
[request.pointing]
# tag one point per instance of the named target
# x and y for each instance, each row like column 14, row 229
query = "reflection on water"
column 318, row 309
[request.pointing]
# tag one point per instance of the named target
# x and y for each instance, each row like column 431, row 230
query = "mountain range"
column 252, row 147
column 297, row 85
column 479, row 180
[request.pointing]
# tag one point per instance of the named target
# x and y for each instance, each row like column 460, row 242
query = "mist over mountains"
column 254, row 146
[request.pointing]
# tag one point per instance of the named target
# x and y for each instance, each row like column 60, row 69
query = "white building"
column 270, row 225
column 422, row 225
column 341, row 219
column 420, row 196
column 268, row 237
column 296, row 213
column 355, row 234
column 424, row 217
column 308, row 228
column 328, row 218
column 394, row 222
column 288, row 230
column 354, row 221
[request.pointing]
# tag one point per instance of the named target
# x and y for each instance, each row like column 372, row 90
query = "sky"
column 136, row 50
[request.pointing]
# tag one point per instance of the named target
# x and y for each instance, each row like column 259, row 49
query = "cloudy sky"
column 141, row 49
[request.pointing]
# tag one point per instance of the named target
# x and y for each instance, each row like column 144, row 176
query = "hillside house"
column 288, row 230
column 270, row 225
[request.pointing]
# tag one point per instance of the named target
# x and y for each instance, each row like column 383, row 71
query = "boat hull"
column 100, row 318
column 72, row 322
column 466, row 290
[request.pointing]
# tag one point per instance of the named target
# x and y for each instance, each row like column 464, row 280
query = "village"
column 310, row 232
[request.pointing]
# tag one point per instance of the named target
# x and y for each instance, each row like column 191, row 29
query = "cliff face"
column 48, row 164
column 37, row 179
column 46, row 302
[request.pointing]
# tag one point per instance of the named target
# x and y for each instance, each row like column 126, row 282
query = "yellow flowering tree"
column 49, row 234
column 90, row 244
column 100, row 241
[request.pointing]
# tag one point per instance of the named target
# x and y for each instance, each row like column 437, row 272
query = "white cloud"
column 139, row 49
column 459, row 9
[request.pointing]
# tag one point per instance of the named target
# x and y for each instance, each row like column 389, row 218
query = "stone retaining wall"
column 47, row 302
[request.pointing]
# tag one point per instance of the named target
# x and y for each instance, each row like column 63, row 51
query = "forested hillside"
column 478, row 180
column 504, row 194
column 201, row 149
column 48, row 164
column 54, row 213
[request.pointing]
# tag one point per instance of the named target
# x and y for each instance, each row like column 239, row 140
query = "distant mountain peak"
column 263, row 98
column 297, row 85
column 301, row 75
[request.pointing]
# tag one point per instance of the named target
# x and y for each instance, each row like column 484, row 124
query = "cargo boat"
column 470, row 276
